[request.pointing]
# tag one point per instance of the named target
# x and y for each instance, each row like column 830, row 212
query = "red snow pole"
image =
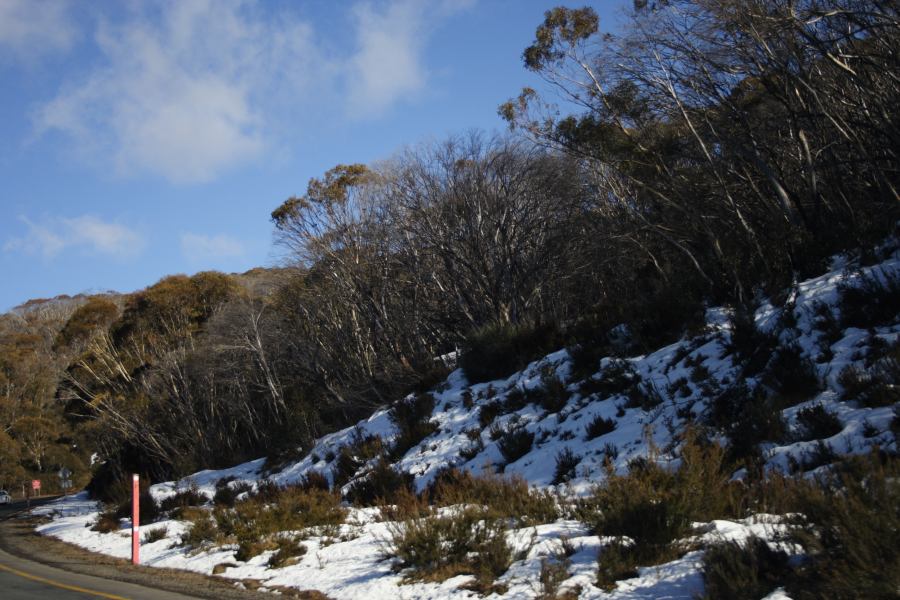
column 135, row 520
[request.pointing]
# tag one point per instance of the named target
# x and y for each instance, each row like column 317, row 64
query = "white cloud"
column 32, row 28
column 200, row 249
column 87, row 233
column 188, row 89
column 181, row 93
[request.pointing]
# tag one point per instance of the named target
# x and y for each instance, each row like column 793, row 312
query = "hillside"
column 791, row 389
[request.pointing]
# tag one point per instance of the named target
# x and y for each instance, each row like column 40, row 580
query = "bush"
column 352, row 456
column 748, row 417
column 434, row 548
column 515, row 443
column 876, row 386
column 873, row 302
column 189, row 497
column 617, row 560
column 748, row 571
column 154, row 535
column 655, row 508
column 228, row 492
column 149, row 509
column 849, row 531
column 552, row 395
column 288, row 551
column 107, row 522
column 201, row 532
column 792, row 375
column 496, row 351
column 817, row 423
column 566, row 463
column 750, row 346
column 412, row 418
column 598, row 426
column 490, row 411
column 504, row 497
column 380, row 485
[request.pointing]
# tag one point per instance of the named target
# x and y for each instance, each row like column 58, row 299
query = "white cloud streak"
column 31, row 29
column 200, row 249
column 86, row 233
column 189, row 89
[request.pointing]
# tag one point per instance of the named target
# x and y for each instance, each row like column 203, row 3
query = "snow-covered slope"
column 640, row 397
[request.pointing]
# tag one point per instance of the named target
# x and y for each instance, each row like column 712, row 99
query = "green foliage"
column 849, row 530
column 515, row 442
column 566, row 463
column 598, row 426
column 496, row 351
column 872, row 302
column 743, row 571
column 816, row 422
column 382, row 485
column 412, row 418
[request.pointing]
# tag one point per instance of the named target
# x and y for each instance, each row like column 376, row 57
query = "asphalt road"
column 23, row 579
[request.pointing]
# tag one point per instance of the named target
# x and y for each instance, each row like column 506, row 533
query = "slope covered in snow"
column 813, row 357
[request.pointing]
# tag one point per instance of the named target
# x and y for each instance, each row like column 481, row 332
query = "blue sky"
column 140, row 139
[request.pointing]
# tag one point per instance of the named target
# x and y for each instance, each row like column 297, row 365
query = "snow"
column 352, row 564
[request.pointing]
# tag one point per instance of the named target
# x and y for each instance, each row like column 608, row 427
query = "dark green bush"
column 874, row 301
column 489, row 411
column 515, row 443
column 816, row 423
column 497, row 351
column 288, row 550
column 598, row 426
column 566, row 463
column 352, row 456
column 183, row 498
column 380, row 485
column 792, row 375
column 412, row 418
column 743, row 571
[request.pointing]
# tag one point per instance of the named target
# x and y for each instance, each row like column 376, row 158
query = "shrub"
column 149, row 509
column 516, row 399
column 504, row 497
column 488, row 412
column 598, row 426
column 750, row 346
column 655, row 508
column 288, row 551
column 515, row 443
column 107, row 522
column 154, row 535
column 566, row 463
column 792, row 375
column 748, row 571
column 201, row 532
column 380, row 485
column 617, row 560
column 412, row 418
column 876, row 386
column 437, row 547
column 228, row 492
column 552, row 575
column 499, row 350
column 551, row 395
column 749, row 417
column 183, row 498
column 874, row 301
column 352, row 456
column 816, row 422
column 848, row 530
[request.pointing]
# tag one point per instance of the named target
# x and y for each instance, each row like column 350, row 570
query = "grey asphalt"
column 23, row 579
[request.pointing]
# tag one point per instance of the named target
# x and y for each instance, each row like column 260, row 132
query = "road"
column 23, row 579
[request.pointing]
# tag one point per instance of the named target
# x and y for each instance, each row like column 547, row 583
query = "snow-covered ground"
column 351, row 564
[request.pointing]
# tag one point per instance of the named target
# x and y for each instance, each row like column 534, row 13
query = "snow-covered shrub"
column 380, row 485
column 792, row 375
column 873, row 300
column 816, row 422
